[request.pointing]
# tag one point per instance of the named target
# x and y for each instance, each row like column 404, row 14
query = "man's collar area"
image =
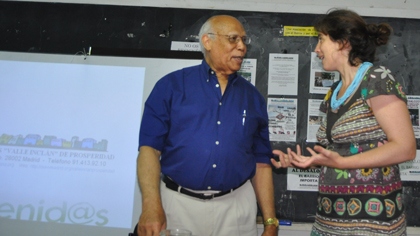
column 210, row 72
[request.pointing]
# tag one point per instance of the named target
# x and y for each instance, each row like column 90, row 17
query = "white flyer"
column 249, row 70
column 315, row 117
column 410, row 170
column 303, row 179
column 283, row 74
column 413, row 104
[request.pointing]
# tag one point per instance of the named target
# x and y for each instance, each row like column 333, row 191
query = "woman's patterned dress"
column 359, row 201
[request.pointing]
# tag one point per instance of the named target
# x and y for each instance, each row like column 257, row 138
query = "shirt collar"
column 232, row 77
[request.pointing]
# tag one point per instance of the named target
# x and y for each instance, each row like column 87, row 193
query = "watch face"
column 271, row 221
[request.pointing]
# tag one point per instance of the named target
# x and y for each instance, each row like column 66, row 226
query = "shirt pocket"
column 246, row 126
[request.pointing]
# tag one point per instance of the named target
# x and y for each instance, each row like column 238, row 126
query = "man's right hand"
column 151, row 222
column 152, row 219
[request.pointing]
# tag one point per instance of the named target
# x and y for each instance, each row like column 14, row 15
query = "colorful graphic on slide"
column 50, row 141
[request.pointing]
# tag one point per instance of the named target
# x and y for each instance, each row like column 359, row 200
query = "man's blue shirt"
column 207, row 141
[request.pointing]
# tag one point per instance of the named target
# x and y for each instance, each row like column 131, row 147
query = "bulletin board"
column 75, row 28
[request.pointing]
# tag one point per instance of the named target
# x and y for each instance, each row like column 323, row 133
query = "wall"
column 69, row 29
column 388, row 8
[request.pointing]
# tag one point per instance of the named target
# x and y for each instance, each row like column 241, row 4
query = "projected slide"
column 69, row 129
column 68, row 142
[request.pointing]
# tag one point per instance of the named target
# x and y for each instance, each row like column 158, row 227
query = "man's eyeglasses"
column 235, row 38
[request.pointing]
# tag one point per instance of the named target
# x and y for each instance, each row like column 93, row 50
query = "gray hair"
column 206, row 28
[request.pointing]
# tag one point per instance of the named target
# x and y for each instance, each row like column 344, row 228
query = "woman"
column 366, row 134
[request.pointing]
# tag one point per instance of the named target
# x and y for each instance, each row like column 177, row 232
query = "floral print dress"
column 359, row 201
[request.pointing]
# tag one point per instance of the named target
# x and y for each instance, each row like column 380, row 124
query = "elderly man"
column 204, row 156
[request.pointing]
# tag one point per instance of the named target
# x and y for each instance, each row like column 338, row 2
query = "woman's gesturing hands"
column 319, row 157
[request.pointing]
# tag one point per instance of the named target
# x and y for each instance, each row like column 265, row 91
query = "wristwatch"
column 271, row 221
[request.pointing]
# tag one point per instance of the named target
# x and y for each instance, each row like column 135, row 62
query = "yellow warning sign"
column 300, row 31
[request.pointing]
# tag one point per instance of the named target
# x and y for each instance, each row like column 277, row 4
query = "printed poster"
column 303, row 179
column 321, row 80
column 282, row 119
column 249, row 70
column 315, row 118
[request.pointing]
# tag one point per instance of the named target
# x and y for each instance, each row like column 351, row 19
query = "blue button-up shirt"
column 207, row 141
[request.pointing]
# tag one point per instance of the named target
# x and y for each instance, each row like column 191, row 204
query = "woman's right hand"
column 285, row 160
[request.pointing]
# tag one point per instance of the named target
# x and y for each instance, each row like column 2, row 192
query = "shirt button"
column 209, row 187
column 218, row 122
column 214, row 165
column 212, row 72
column 217, row 85
column 217, row 142
column 220, row 103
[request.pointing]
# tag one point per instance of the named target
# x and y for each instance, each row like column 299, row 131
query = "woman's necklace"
column 335, row 104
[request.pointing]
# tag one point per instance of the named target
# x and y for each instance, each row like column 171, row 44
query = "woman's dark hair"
column 346, row 26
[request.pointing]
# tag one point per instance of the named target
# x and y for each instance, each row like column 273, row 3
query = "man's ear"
column 206, row 40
